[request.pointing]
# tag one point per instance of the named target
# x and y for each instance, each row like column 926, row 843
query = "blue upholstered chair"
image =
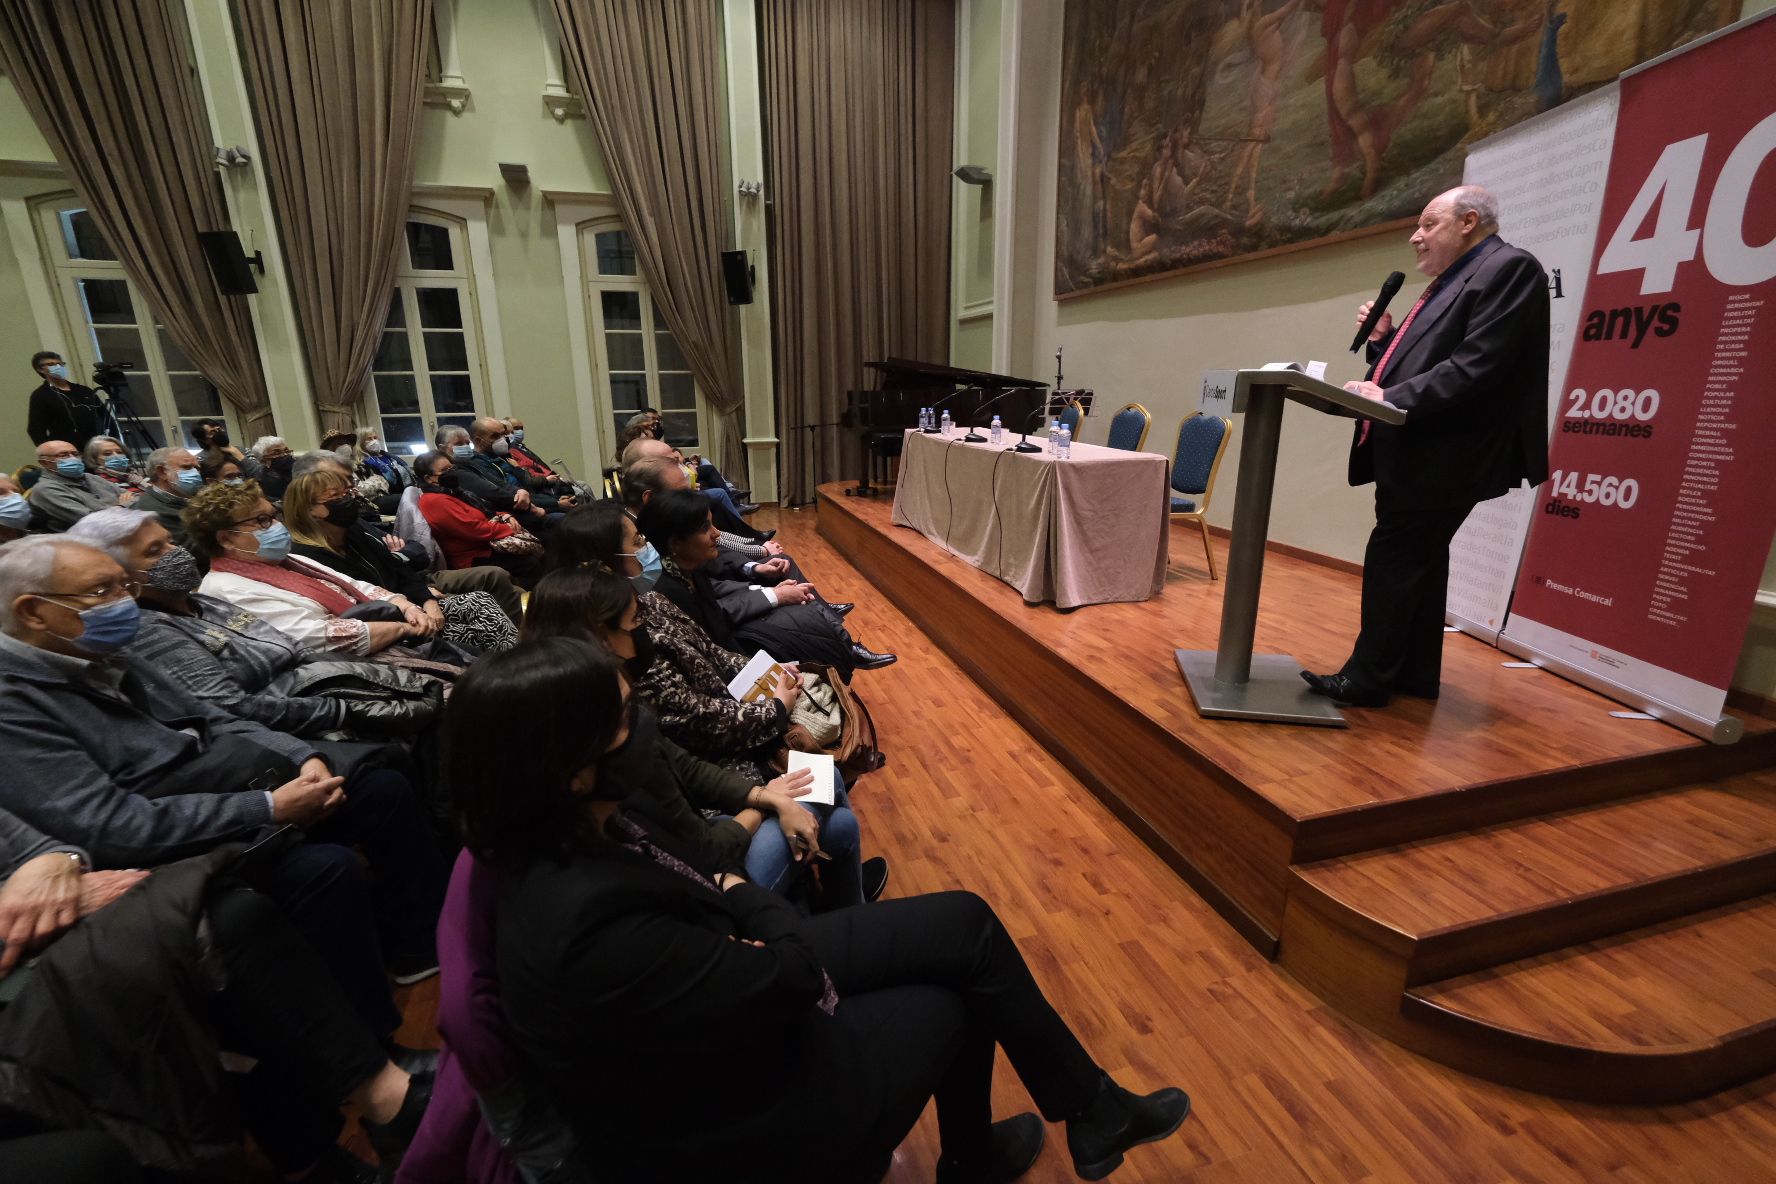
column 1202, row 439
column 1071, row 417
column 1128, row 427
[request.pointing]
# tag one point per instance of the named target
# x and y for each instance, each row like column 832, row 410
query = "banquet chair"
column 1128, row 427
column 1071, row 415
column 1202, row 440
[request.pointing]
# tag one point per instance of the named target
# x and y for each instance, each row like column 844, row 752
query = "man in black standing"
column 62, row 409
column 1469, row 366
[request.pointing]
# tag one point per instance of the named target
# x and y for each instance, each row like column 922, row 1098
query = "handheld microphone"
column 1389, row 287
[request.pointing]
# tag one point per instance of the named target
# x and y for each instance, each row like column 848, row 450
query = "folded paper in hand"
column 758, row 679
column 824, row 791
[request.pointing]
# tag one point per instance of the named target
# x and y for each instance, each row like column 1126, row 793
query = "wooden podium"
column 1231, row 682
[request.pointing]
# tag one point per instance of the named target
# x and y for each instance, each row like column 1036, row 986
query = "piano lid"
column 906, row 374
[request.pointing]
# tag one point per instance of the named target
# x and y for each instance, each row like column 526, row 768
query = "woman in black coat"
column 691, row 1026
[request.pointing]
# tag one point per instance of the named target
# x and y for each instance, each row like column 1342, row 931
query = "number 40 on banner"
column 1672, row 184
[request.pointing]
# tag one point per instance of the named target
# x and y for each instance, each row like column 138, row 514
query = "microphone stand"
column 934, row 430
column 1024, row 445
column 973, row 436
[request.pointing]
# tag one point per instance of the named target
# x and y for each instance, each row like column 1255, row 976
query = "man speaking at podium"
column 1469, row 366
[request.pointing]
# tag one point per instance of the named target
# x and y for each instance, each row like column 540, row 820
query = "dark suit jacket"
column 481, row 479
column 1472, row 376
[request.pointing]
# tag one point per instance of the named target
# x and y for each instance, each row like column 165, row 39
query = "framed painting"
column 1199, row 131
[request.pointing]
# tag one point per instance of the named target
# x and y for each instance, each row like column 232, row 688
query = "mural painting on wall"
column 1199, row 130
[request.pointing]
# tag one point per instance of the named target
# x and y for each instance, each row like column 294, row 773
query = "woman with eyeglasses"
column 248, row 547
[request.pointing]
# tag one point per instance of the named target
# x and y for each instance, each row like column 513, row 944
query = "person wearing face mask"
column 276, row 461
column 465, row 529
column 174, row 477
column 223, row 470
column 490, row 459
column 106, row 457
column 61, row 409
column 214, row 448
column 15, row 511
column 376, row 463
column 231, row 659
column 67, row 492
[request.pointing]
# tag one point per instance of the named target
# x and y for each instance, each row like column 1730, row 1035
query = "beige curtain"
column 651, row 73
column 337, row 86
column 111, row 86
column 858, row 97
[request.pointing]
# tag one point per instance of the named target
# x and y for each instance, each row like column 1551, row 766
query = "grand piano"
column 881, row 417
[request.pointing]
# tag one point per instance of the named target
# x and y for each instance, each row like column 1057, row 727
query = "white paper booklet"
column 824, row 791
column 757, row 679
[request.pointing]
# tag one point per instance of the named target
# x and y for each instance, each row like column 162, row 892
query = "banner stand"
column 1726, row 729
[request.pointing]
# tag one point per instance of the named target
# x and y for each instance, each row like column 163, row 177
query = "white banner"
column 1548, row 175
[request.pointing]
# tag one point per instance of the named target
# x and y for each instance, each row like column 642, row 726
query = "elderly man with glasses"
column 68, row 492
column 173, row 477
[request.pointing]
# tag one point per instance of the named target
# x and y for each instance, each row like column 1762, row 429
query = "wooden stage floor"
column 1383, row 862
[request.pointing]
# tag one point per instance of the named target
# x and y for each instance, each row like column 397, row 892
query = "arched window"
column 642, row 365
column 109, row 321
column 427, row 371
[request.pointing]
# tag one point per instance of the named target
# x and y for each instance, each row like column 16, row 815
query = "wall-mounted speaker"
column 738, row 274
column 232, row 267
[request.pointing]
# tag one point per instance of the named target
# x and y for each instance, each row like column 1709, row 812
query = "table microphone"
column 974, row 436
column 1389, row 287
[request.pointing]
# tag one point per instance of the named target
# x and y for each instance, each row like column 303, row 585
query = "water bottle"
column 948, row 423
column 1054, row 434
column 924, row 418
column 1064, row 443
column 997, row 433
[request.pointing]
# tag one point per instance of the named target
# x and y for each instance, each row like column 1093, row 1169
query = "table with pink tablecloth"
column 1090, row 529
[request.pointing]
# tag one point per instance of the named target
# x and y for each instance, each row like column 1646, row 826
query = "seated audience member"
column 229, row 658
column 173, row 477
column 15, row 510
column 213, row 447
column 523, row 457
column 654, row 474
column 686, row 683
column 107, row 457
column 466, row 530
column 486, row 483
column 323, row 515
column 727, row 514
column 623, row 945
column 121, row 1029
column 374, row 464
column 221, row 469
column 761, row 815
column 248, row 548
column 105, row 752
column 276, row 462
column 491, row 460
column 68, row 492
column 785, row 621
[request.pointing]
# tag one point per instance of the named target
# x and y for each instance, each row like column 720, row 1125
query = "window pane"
column 628, row 393
column 667, row 352
column 446, row 351
column 81, row 237
column 397, row 312
column 616, row 253
column 622, row 310
column 133, row 431
column 186, row 427
column 452, row 392
column 457, row 421
column 107, row 302
column 429, row 246
column 439, row 308
column 396, row 393
column 404, row 433
column 121, row 345
column 678, row 392
column 174, row 357
column 623, row 351
column 681, row 428
column 393, row 353
column 194, row 396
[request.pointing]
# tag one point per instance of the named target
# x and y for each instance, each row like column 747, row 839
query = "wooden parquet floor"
column 1162, row 991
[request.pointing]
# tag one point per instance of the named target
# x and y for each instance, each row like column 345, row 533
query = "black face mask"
column 218, row 439
column 624, row 770
column 282, row 465
column 343, row 512
column 450, row 479
column 644, row 653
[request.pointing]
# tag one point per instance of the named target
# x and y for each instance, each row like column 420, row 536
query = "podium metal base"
column 1274, row 695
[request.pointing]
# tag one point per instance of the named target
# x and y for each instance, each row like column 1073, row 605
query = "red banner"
column 1651, row 534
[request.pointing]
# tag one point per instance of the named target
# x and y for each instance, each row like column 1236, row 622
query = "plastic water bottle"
column 1064, row 443
column 948, row 423
column 997, row 433
column 924, row 418
column 1054, row 434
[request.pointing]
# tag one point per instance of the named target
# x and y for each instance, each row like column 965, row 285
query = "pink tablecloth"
column 1087, row 530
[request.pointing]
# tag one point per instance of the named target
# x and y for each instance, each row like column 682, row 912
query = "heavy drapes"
column 859, row 108
column 111, row 86
column 651, row 72
column 336, row 87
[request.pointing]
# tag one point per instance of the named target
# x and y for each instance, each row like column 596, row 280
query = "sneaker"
column 875, row 878
column 1117, row 1120
column 390, row 1139
column 1016, row 1142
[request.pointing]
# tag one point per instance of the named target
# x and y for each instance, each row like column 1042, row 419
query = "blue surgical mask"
column 59, row 370
column 70, row 466
column 463, row 452
column 107, row 628
column 15, row 511
column 117, row 462
column 651, row 567
column 274, row 543
column 517, row 435
column 188, row 481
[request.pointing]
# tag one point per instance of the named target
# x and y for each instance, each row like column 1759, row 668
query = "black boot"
column 1117, row 1120
column 1012, row 1149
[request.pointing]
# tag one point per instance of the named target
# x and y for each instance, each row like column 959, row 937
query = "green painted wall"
column 972, row 208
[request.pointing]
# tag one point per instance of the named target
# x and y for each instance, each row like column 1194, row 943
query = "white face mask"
column 376, row 446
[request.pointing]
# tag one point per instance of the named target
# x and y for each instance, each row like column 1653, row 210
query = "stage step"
column 1450, row 905
column 1671, row 1011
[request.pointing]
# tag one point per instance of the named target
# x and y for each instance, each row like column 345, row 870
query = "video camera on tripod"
column 119, row 419
column 110, row 377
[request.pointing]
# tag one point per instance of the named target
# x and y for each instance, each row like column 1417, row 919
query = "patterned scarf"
column 310, row 580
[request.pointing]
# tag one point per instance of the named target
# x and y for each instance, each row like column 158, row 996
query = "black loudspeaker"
column 232, row 267
column 738, row 274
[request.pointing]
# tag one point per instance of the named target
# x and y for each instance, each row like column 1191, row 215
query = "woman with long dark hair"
column 691, row 1026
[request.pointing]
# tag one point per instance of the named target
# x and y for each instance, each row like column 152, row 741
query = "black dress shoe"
column 865, row 658
column 763, row 536
column 843, row 608
column 1419, row 692
column 1343, row 691
column 1014, row 1145
column 746, row 508
column 1117, row 1120
column 875, row 879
